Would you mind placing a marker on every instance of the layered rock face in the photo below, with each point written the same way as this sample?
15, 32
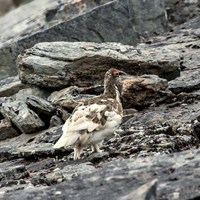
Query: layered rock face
54, 56
92, 21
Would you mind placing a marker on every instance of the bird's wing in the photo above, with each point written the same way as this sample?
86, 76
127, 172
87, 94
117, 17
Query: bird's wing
86, 118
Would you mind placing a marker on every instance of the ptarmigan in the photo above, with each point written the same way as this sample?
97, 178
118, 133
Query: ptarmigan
95, 119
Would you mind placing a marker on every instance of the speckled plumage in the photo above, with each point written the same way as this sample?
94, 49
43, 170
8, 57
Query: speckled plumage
95, 119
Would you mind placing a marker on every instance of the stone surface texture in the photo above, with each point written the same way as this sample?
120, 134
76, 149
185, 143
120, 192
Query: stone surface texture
63, 54
48, 20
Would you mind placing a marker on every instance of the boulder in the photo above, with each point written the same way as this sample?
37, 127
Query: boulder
61, 64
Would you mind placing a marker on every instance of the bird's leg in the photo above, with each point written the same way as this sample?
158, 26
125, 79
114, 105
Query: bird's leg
95, 148
77, 151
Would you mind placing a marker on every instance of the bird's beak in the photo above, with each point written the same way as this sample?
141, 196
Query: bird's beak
121, 73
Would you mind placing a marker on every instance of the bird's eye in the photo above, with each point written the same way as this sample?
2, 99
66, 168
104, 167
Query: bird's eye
116, 73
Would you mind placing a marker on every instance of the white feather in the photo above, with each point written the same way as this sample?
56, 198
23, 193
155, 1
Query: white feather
66, 140
94, 132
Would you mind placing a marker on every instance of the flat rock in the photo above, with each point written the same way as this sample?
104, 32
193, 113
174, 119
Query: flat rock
61, 64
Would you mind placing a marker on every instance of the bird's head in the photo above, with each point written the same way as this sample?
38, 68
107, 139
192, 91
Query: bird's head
114, 73
111, 82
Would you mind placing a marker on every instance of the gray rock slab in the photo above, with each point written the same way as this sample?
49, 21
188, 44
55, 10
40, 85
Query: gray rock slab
114, 21
25, 120
61, 64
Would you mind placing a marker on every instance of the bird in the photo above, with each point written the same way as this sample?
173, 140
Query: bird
94, 119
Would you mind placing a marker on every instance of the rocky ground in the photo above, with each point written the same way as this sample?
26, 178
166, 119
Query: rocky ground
154, 154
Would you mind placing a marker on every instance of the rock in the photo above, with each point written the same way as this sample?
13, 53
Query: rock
55, 177
33, 146
7, 153
74, 92
146, 191
35, 151
72, 171
68, 98
154, 132
185, 40
177, 174
62, 113
143, 90
10, 86
5, 100
187, 82
181, 11
98, 157
85, 64
50, 135
151, 142
55, 121
87, 24
137, 91
24, 119
6, 130
42, 107
31, 90
11, 172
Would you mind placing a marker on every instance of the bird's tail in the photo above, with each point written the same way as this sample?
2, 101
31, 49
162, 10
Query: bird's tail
67, 140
